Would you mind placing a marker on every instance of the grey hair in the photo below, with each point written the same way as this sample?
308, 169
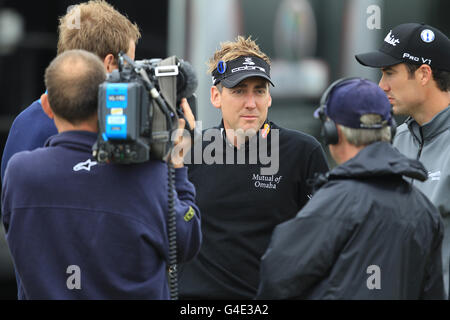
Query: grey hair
363, 137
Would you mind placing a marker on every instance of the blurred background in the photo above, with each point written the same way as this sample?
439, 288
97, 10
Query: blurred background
311, 43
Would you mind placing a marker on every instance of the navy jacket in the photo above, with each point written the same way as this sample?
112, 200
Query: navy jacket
30, 130
366, 234
62, 209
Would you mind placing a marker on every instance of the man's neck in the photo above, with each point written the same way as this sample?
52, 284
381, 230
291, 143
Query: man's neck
434, 103
238, 137
88, 125
346, 152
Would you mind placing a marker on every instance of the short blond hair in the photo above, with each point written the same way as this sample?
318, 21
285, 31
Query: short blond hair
231, 50
102, 30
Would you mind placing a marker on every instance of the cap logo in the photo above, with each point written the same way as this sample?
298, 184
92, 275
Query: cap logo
221, 67
252, 66
249, 62
391, 39
248, 68
427, 36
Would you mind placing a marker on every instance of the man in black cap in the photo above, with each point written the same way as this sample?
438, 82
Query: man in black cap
415, 62
366, 233
242, 201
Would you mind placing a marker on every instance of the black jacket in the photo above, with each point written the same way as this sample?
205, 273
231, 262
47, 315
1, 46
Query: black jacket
365, 234
240, 208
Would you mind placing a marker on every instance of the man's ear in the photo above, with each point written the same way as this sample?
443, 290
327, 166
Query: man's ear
424, 74
216, 97
110, 63
46, 106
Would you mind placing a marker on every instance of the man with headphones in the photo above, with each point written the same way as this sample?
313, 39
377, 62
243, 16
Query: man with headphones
366, 233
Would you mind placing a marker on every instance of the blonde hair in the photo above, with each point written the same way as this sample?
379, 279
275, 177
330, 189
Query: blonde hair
102, 30
364, 137
231, 50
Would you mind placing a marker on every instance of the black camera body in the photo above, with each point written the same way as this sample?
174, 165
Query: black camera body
138, 109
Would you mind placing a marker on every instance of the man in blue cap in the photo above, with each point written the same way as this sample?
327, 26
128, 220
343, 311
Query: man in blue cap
366, 233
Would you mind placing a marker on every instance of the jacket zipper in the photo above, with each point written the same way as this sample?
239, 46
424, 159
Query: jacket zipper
421, 142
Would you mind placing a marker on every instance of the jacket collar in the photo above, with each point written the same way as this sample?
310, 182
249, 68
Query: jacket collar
440, 123
376, 160
82, 140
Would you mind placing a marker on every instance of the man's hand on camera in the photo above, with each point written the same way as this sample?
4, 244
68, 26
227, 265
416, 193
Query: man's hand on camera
182, 138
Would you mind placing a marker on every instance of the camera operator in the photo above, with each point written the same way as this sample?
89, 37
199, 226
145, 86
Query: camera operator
102, 30
78, 229
366, 233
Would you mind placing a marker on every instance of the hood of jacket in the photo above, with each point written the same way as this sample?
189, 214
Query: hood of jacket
376, 160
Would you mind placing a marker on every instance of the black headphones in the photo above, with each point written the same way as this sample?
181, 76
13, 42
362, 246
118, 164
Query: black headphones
329, 129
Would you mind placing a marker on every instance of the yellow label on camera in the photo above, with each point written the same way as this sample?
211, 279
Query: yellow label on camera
189, 215
117, 111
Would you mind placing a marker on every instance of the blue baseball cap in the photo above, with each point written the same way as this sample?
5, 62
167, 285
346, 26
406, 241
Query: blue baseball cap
352, 99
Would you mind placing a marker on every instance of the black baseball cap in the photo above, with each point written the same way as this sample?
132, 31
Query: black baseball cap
231, 73
410, 42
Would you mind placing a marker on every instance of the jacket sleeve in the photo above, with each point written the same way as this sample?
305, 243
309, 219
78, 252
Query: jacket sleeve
303, 250
189, 235
433, 288
6, 208
39, 128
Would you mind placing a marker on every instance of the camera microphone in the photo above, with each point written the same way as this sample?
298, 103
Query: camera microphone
187, 81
